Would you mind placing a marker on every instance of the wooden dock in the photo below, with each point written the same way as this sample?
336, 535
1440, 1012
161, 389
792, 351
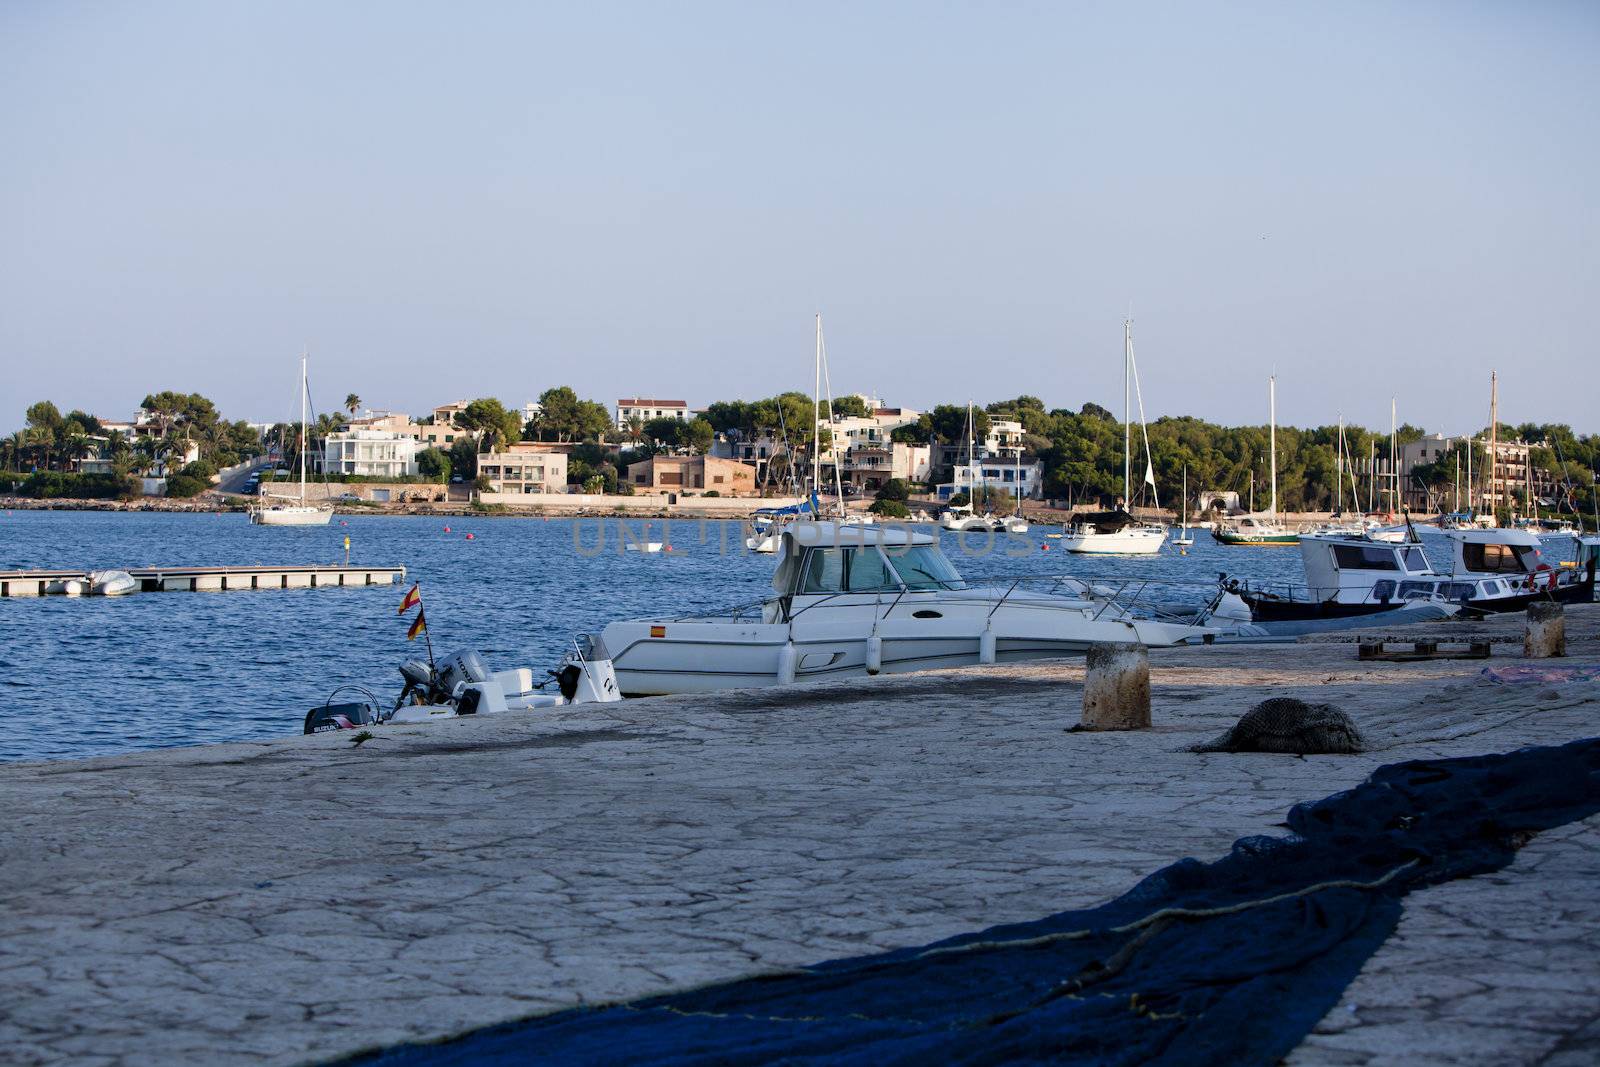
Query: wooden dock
207, 579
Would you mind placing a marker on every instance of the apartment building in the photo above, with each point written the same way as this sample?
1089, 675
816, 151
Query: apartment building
370, 453
442, 432
525, 467
645, 409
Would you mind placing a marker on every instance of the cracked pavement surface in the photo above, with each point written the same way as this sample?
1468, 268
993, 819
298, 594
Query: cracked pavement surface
300, 899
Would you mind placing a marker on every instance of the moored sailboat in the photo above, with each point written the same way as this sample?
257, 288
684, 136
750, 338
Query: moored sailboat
286, 511
1262, 530
1117, 532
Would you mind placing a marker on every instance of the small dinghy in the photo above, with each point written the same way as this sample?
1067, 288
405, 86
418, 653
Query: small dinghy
647, 545
112, 583
462, 684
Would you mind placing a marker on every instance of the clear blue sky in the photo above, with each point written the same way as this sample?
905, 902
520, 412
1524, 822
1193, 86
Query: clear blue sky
454, 200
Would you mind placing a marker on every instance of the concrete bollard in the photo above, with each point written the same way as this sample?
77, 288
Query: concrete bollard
1116, 687
1546, 635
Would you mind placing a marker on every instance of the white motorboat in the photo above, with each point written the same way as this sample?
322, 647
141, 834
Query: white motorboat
1492, 571
1014, 524
852, 601
272, 510
1117, 532
112, 583
461, 685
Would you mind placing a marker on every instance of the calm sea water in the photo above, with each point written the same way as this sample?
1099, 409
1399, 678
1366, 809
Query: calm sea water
99, 675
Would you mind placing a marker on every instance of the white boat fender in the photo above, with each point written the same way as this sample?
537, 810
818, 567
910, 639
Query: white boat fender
986, 645
786, 661
874, 654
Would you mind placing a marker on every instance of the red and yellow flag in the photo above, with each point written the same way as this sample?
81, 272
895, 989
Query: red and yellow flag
412, 599
418, 626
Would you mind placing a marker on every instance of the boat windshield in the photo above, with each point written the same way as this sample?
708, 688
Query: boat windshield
846, 570
1499, 558
925, 567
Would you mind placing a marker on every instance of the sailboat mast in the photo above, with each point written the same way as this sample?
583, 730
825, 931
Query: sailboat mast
816, 416
1394, 458
1272, 439
1372, 473
1458, 483
1494, 445
1339, 503
302, 430
1127, 416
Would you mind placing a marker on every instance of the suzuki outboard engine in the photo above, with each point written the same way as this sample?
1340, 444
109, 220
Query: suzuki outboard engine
347, 716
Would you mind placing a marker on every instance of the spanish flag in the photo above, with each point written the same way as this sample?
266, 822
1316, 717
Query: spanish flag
412, 599
418, 626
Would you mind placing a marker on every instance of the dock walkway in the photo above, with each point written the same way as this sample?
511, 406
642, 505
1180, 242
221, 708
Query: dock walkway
295, 900
208, 579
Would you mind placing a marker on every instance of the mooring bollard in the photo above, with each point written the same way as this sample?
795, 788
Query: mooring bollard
1116, 687
1546, 635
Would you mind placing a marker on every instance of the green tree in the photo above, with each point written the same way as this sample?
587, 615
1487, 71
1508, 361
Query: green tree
433, 463
895, 489
846, 407
665, 431
490, 422
889, 509
699, 435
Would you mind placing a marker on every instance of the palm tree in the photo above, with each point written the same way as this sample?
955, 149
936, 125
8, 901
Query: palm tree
635, 429
351, 402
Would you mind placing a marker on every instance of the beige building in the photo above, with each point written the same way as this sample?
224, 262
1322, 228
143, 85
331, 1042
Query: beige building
387, 422
698, 474
525, 467
442, 432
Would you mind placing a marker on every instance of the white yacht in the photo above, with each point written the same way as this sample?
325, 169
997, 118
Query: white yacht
271, 510
851, 601
1118, 532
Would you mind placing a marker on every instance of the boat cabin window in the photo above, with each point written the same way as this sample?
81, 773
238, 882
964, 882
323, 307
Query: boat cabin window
1457, 590
925, 567
1414, 560
1499, 559
846, 570
1364, 558
1416, 590
1383, 591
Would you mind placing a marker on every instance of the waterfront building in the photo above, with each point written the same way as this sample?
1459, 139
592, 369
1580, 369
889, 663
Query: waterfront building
370, 453
442, 432
1018, 476
526, 467
868, 466
672, 474
386, 421
645, 409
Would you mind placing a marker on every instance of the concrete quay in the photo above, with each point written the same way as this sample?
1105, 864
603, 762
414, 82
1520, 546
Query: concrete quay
295, 900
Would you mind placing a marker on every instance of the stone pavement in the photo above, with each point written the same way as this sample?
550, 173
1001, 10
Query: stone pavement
294, 900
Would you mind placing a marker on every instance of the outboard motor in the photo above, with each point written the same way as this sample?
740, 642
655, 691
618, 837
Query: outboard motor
345, 716
461, 668
421, 683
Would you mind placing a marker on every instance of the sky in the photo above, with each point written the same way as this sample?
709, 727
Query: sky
441, 201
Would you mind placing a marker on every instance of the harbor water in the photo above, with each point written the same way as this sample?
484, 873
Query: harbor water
93, 676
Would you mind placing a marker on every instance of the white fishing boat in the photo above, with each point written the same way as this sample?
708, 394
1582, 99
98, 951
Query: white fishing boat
1491, 571
852, 601
1118, 532
276, 510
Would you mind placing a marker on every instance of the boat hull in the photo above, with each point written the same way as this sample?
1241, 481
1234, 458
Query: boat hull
675, 657
1128, 542
1256, 540
292, 516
